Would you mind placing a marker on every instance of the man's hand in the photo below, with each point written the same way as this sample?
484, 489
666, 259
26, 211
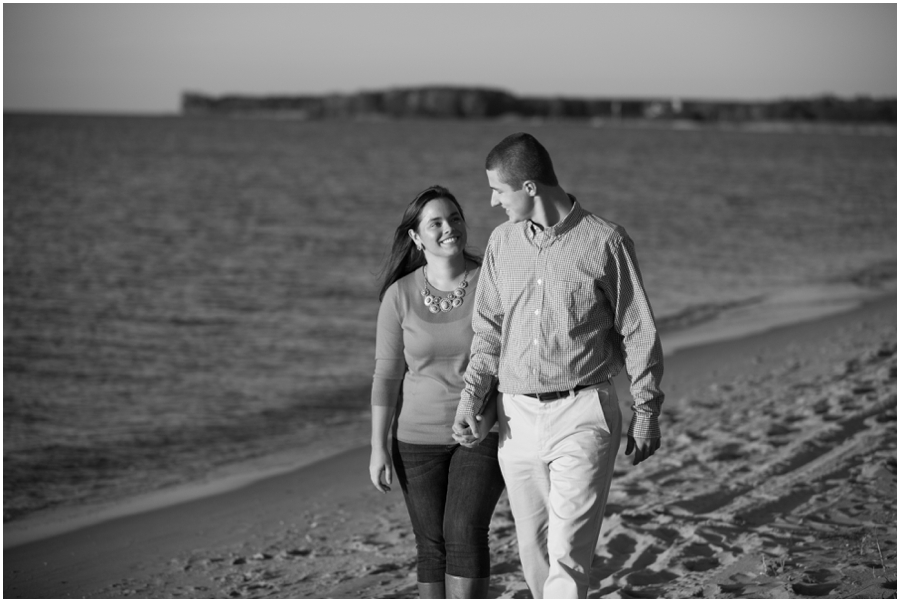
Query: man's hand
642, 447
467, 431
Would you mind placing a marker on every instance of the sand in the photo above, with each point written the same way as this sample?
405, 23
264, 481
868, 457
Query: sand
777, 479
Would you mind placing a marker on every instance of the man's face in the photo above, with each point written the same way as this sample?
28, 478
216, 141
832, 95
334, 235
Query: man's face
519, 205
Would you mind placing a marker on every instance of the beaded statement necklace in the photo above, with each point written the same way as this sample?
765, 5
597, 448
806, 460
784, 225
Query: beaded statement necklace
450, 302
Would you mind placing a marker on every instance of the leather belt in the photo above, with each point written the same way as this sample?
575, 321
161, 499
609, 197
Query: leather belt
554, 395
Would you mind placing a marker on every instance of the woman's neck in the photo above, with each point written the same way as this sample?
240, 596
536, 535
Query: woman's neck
445, 273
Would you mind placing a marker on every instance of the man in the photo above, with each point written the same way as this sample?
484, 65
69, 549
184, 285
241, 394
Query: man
559, 311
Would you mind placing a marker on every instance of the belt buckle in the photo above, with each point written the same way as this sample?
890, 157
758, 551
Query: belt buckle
554, 395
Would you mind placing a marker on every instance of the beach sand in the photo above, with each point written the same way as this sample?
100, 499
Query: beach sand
777, 478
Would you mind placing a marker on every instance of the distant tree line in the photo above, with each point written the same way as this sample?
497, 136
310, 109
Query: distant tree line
480, 103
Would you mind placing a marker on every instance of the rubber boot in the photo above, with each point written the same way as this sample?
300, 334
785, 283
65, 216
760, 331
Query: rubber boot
465, 588
432, 591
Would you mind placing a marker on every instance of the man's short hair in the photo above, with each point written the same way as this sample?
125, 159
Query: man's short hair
520, 157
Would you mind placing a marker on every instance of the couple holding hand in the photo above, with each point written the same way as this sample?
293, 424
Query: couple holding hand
498, 370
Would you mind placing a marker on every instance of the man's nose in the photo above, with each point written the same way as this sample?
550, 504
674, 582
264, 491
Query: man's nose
494, 201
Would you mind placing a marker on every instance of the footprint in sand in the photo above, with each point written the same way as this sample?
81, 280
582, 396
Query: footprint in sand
505, 567
814, 589
698, 550
365, 543
384, 568
293, 553
729, 453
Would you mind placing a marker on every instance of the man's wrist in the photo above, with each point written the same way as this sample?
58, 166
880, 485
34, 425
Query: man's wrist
645, 427
465, 409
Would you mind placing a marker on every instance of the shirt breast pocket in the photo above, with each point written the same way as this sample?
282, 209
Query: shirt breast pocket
578, 298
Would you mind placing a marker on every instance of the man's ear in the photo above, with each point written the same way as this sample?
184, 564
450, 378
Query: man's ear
530, 187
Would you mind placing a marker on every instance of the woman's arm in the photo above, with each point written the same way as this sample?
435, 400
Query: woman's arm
380, 468
386, 385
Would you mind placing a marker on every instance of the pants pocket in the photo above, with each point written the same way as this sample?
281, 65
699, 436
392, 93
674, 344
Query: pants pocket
607, 408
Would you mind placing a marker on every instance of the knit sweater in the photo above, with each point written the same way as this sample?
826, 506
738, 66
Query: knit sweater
428, 352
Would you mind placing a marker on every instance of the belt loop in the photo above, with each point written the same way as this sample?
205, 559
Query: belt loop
572, 392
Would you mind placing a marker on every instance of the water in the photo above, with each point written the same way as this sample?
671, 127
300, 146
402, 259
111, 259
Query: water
181, 294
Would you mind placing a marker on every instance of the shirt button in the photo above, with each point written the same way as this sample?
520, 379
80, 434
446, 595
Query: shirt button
540, 281
535, 341
534, 370
537, 312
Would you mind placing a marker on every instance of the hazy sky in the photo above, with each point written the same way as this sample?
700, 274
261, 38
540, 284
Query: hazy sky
139, 58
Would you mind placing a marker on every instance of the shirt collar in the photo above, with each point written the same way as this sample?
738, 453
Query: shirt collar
561, 227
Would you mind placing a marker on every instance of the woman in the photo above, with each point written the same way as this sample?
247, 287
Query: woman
421, 353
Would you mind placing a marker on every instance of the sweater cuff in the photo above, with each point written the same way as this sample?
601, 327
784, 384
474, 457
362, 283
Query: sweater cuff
385, 391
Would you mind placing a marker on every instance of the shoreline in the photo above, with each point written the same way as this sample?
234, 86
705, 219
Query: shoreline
320, 531
787, 308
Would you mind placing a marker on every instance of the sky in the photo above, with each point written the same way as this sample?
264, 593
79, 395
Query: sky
139, 58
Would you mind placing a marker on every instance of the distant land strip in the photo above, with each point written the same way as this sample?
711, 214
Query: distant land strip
448, 102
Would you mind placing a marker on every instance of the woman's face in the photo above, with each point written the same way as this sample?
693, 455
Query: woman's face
441, 230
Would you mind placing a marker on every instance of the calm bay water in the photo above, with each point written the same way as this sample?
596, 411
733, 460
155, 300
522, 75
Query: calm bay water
184, 293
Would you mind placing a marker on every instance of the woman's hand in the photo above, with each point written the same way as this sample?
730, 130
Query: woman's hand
380, 468
469, 431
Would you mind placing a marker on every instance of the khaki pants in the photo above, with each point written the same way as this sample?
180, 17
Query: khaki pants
557, 459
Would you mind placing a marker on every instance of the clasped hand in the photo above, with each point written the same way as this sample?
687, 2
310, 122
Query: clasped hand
469, 431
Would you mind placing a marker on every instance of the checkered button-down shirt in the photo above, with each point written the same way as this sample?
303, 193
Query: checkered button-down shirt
561, 307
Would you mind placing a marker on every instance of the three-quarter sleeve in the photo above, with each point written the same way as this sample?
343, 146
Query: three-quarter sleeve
390, 365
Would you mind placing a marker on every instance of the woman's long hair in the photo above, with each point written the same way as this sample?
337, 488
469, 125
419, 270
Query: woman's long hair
405, 257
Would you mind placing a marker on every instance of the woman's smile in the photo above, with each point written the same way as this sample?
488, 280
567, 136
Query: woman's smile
441, 230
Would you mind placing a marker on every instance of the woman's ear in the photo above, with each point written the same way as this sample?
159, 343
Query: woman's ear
415, 238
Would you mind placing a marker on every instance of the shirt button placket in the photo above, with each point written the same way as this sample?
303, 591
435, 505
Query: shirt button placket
539, 299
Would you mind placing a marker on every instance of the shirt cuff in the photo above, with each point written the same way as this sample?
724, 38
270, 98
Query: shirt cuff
465, 408
644, 426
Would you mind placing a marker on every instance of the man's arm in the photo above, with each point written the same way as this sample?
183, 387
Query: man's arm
484, 423
641, 347
484, 359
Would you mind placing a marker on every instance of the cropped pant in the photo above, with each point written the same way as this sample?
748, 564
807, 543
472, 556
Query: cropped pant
557, 459
450, 492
